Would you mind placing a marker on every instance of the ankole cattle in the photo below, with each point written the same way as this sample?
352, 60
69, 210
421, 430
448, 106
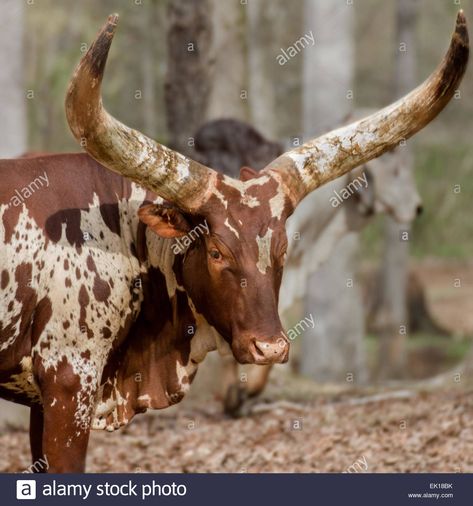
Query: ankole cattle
101, 316
382, 185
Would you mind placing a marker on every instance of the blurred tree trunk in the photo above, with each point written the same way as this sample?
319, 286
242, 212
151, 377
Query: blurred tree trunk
148, 62
333, 350
261, 20
13, 131
229, 86
188, 81
391, 314
12, 92
273, 89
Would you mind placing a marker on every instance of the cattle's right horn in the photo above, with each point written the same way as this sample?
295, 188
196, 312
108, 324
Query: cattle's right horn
329, 156
184, 182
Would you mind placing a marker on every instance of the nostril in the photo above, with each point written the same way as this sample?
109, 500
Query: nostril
261, 348
419, 210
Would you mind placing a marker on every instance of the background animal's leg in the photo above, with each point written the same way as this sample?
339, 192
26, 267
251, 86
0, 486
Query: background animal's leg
237, 389
36, 437
234, 391
257, 379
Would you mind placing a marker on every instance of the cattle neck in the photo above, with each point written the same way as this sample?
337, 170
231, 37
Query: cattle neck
155, 365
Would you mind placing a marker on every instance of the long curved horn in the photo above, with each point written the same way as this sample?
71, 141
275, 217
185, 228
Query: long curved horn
329, 156
171, 175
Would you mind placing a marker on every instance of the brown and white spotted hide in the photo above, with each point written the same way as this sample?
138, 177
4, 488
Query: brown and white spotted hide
98, 304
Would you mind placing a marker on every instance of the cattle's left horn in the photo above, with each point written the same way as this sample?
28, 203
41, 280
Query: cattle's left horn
328, 157
184, 182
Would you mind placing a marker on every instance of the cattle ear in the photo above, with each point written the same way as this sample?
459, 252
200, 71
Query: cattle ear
247, 173
166, 221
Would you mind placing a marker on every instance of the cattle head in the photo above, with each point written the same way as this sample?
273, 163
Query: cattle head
233, 272
390, 187
232, 269
394, 188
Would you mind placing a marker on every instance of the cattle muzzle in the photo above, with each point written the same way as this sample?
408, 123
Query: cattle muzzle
273, 351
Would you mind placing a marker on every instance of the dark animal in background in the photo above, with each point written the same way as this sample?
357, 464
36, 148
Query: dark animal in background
228, 145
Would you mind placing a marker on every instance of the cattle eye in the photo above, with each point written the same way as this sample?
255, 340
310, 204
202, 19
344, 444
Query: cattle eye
215, 254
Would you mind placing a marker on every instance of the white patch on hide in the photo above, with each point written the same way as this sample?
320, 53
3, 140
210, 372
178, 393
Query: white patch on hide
234, 230
264, 251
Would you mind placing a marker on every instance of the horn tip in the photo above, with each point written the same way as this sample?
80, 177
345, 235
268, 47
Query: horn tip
113, 19
97, 55
461, 29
